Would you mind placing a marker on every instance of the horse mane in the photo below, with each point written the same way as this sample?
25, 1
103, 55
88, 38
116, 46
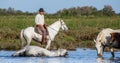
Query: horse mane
53, 24
102, 36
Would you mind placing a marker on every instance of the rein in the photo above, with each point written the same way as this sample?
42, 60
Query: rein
53, 29
56, 30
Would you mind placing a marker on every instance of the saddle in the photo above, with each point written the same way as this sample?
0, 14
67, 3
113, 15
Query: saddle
37, 31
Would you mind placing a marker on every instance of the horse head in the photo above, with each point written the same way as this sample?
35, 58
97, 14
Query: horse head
63, 25
62, 52
99, 47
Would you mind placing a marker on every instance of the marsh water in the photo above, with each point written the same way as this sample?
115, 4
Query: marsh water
78, 56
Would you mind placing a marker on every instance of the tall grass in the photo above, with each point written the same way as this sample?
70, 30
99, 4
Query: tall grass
81, 31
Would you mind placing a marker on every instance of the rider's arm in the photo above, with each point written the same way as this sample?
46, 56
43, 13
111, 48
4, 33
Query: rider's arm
37, 19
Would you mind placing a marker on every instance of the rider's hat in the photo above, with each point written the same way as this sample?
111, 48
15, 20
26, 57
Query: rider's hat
41, 10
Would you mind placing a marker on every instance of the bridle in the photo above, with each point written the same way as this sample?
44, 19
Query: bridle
62, 24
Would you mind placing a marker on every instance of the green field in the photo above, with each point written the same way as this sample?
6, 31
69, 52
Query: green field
82, 30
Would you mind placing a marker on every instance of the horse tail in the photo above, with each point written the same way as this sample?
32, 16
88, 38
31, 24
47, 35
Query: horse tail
22, 38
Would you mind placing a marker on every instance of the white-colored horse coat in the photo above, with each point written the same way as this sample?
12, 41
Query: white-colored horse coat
29, 33
103, 40
38, 51
104, 36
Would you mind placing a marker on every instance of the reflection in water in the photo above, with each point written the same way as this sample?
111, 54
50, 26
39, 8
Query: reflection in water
109, 60
78, 56
101, 60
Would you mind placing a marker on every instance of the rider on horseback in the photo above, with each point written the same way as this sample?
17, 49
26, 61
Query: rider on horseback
40, 24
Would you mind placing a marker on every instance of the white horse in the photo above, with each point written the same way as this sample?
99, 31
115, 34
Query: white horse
103, 40
38, 51
29, 33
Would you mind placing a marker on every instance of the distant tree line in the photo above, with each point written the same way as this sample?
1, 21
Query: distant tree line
87, 11
74, 11
11, 11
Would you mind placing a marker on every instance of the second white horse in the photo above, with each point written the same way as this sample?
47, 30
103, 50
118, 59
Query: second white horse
38, 51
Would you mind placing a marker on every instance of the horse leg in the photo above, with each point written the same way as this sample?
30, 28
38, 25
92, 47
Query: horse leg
28, 41
20, 52
22, 39
112, 52
48, 44
103, 48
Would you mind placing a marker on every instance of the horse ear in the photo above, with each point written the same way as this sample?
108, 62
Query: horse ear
94, 41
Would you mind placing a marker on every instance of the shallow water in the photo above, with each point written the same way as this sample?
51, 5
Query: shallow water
78, 56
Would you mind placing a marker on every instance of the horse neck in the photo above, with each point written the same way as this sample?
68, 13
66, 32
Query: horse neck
54, 29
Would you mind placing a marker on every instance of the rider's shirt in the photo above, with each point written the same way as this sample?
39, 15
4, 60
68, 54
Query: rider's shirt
39, 19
